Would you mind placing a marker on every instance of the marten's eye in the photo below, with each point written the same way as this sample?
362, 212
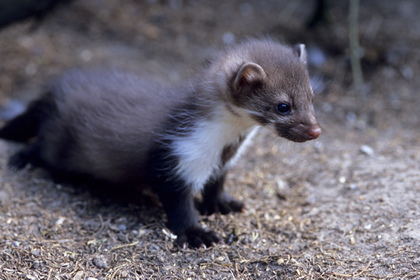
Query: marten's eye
283, 108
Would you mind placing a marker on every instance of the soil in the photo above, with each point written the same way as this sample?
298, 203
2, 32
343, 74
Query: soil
345, 206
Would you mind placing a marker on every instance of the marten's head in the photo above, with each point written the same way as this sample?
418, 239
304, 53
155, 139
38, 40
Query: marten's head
274, 89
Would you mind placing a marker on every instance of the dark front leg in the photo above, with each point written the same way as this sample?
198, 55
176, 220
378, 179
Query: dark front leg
216, 200
183, 220
177, 199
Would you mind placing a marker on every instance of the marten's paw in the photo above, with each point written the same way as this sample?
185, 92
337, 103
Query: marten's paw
197, 237
18, 161
224, 204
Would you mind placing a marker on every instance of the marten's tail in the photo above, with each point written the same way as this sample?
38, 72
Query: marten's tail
25, 126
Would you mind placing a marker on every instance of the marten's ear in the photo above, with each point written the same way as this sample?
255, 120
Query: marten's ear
300, 51
250, 74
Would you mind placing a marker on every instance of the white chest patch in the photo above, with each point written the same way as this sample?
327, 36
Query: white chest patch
200, 152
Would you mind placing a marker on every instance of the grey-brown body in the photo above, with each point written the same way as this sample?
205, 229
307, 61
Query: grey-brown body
109, 120
115, 126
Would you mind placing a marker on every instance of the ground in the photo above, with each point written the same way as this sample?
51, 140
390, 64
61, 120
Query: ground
345, 206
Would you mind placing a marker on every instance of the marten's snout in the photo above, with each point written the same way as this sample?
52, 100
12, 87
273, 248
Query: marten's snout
299, 133
314, 131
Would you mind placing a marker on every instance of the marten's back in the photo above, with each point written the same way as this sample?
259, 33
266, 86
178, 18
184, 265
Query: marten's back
104, 123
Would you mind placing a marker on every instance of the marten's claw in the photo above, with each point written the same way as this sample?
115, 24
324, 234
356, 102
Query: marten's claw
197, 238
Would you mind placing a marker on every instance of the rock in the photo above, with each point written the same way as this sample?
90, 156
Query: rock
100, 262
35, 264
78, 275
367, 150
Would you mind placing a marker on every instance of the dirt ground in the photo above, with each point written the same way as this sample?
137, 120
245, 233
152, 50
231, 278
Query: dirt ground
345, 206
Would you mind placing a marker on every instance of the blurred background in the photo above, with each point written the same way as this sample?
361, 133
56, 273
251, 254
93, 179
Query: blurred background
170, 39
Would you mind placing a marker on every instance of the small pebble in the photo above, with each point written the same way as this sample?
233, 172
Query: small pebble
353, 187
35, 264
99, 262
60, 221
36, 253
78, 275
282, 185
154, 248
367, 150
122, 227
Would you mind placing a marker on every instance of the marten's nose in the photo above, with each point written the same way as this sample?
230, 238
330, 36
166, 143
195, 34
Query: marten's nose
314, 131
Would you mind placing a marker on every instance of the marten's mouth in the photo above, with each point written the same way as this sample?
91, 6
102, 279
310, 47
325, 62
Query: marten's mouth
299, 133
294, 138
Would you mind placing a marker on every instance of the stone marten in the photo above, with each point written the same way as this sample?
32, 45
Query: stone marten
116, 126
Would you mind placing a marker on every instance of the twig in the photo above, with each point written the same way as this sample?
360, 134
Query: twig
101, 228
363, 270
125, 245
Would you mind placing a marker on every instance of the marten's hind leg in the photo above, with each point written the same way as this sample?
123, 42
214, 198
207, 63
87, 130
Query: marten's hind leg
216, 200
25, 126
28, 155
